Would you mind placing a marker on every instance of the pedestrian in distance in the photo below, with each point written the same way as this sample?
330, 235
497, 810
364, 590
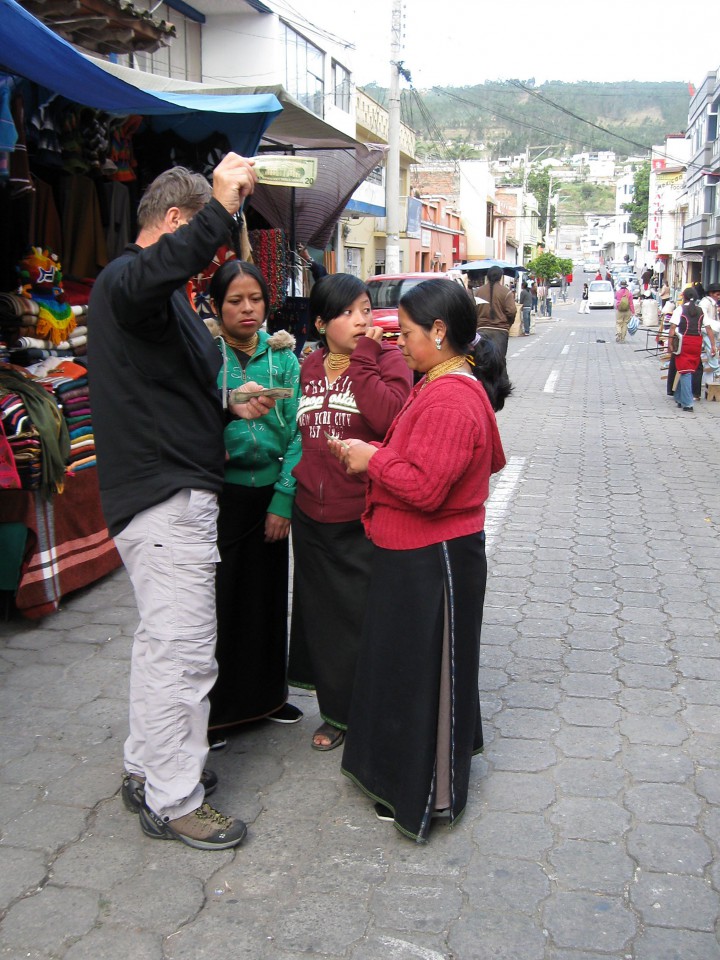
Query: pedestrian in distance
624, 309
526, 307
497, 314
158, 422
585, 299
302, 327
683, 315
542, 297
415, 720
690, 327
352, 386
255, 509
534, 292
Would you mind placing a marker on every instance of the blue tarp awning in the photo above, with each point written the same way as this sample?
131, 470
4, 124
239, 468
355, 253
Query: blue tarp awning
31, 50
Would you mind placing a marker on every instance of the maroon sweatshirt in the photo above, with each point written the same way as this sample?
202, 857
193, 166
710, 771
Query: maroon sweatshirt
361, 403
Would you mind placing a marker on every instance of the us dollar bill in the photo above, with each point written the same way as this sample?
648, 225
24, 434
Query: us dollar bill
283, 171
274, 393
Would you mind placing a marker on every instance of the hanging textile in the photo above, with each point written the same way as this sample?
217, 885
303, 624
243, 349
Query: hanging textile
270, 255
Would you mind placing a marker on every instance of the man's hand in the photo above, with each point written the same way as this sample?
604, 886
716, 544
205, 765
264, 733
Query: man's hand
233, 180
276, 528
251, 409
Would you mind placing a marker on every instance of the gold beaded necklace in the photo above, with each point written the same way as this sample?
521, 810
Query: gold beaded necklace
337, 361
447, 366
247, 346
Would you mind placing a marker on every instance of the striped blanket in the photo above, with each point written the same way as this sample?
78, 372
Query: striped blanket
68, 546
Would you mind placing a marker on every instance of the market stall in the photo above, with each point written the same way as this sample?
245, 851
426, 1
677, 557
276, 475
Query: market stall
71, 167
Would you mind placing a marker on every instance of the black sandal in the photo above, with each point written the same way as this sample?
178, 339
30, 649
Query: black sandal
334, 736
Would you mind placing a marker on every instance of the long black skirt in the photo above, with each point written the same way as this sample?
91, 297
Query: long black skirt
415, 718
330, 585
252, 609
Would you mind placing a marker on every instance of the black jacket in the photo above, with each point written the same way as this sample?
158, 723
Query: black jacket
152, 364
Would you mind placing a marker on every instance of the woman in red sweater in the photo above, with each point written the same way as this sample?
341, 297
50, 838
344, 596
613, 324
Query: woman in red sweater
415, 717
352, 387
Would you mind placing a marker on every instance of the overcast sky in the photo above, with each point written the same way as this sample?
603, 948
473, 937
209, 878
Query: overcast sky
464, 42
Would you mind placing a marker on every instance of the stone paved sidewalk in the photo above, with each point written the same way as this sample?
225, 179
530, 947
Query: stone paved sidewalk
594, 817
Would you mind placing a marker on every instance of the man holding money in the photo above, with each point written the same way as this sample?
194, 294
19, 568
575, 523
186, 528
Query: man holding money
158, 422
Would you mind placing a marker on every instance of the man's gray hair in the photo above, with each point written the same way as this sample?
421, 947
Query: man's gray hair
176, 187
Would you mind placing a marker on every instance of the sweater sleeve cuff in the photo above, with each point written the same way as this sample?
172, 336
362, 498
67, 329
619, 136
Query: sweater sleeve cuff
380, 460
281, 505
217, 208
366, 348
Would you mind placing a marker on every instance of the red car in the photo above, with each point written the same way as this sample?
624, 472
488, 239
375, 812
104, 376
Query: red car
386, 291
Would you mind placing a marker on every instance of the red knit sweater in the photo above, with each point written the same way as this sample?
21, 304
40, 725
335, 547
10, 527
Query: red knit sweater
431, 477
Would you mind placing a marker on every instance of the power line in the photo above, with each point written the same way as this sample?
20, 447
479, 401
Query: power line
521, 123
576, 116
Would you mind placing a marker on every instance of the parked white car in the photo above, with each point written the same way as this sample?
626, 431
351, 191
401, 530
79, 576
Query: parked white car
600, 294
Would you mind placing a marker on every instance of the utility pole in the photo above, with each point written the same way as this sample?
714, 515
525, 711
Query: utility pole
547, 214
521, 205
392, 168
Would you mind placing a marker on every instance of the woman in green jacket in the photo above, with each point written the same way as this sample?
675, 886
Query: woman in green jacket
255, 508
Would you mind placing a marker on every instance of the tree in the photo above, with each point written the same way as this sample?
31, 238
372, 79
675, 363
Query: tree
547, 266
638, 206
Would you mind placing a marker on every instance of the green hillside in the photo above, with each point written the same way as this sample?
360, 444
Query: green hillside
505, 117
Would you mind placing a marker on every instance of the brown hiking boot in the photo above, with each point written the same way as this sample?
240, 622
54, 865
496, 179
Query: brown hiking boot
204, 828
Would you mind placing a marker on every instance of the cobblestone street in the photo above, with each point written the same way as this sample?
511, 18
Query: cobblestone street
593, 825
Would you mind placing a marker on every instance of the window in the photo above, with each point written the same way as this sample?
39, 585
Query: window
709, 199
712, 126
341, 87
304, 70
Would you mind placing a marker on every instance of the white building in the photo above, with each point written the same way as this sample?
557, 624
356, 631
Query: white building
477, 204
598, 164
248, 43
667, 207
618, 241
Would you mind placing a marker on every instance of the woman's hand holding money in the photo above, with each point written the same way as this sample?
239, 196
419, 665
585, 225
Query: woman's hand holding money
354, 454
253, 408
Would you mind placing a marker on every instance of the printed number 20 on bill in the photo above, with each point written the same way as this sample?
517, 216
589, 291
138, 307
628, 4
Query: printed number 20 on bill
286, 171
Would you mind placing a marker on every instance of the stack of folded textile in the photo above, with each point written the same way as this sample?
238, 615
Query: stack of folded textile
18, 317
78, 338
70, 385
23, 439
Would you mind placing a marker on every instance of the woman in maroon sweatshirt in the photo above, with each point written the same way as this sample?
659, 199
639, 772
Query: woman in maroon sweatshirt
352, 387
415, 717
